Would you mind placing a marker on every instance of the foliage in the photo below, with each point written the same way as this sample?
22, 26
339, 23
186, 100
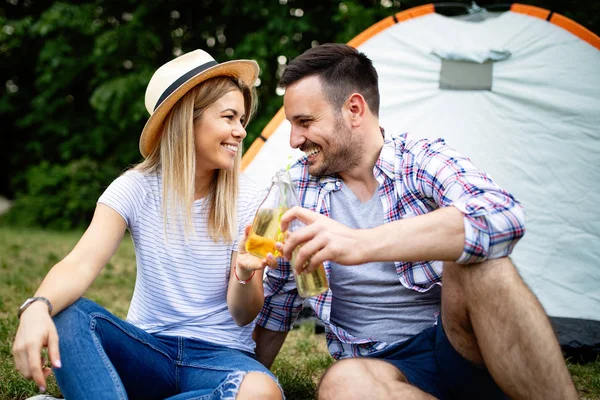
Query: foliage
58, 196
74, 73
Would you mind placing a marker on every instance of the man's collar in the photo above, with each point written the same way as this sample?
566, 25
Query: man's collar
387, 157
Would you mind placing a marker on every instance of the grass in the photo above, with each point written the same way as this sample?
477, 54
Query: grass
27, 254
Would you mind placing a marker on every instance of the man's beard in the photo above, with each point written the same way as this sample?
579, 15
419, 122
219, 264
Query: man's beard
343, 153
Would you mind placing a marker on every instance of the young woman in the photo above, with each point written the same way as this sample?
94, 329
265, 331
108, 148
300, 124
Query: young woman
188, 333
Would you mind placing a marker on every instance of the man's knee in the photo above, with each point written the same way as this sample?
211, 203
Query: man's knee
467, 280
258, 385
472, 293
338, 375
348, 378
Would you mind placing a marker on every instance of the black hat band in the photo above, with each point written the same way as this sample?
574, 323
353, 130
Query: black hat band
183, 79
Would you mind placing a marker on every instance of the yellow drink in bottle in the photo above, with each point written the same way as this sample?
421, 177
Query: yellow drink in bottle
265, 232
310, 284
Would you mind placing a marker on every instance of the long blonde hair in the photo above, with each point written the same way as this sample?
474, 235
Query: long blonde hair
175, 157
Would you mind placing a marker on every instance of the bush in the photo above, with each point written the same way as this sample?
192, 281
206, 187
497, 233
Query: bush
60, 196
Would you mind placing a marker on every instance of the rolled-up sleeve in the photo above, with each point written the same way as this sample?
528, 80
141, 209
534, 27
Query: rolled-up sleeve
494, 220
282, 302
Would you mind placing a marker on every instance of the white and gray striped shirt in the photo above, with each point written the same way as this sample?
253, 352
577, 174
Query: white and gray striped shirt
181, 288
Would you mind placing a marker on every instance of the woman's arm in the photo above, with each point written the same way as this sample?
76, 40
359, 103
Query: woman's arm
246, 300
69, 279
65, 283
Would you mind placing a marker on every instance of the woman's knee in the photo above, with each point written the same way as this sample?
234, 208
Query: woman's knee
259, 385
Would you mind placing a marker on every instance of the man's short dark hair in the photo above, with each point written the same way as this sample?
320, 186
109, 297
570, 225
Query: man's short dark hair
343, 70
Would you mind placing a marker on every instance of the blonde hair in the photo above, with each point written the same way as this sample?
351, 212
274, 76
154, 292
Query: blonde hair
175, 157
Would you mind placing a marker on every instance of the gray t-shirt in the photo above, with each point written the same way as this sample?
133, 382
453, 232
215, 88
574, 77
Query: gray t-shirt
368, 300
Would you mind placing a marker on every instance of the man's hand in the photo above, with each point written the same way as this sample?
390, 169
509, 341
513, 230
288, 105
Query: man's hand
323, 239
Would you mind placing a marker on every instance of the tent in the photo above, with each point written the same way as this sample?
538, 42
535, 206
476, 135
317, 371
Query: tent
518, 91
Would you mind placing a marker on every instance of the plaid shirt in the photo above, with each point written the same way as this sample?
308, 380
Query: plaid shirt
415, 176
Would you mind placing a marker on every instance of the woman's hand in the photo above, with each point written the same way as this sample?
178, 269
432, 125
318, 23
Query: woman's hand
247, 263
36, 331
245, 296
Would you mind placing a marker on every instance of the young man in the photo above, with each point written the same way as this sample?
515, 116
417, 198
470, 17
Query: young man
380, 204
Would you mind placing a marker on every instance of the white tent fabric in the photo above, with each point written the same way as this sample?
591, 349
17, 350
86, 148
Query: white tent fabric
537, 133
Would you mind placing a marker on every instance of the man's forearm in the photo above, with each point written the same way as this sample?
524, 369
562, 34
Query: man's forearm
438, 235
268, 344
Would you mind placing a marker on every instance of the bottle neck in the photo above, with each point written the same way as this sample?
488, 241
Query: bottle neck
283, 177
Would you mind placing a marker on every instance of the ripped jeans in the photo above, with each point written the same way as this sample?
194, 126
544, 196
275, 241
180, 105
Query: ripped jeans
104, 357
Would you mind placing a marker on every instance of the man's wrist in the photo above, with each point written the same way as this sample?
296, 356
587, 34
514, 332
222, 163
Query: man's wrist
365, 244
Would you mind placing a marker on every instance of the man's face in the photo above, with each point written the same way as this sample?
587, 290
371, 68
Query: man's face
320, 131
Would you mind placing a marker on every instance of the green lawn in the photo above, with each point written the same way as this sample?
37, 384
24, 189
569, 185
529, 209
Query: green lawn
26, 256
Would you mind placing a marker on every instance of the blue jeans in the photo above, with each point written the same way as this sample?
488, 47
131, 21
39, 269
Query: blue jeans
104, 357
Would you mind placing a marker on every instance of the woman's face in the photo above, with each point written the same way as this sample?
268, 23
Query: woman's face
219, 133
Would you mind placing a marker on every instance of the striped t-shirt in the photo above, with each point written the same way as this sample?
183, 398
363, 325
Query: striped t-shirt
181, 288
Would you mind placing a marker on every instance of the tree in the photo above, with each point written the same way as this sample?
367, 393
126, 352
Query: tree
75, 75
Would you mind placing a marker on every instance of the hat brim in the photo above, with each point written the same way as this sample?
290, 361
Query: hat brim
245, 70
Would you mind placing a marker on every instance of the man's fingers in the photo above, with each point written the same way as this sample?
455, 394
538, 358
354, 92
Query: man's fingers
311, 259
310, 255
302, 255
271, 261
300, 237
303, 214
311, 264
316, 259
53, 351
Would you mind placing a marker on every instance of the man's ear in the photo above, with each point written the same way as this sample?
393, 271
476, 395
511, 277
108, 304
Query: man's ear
356, 106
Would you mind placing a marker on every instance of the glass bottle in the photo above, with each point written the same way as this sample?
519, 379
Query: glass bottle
266, 231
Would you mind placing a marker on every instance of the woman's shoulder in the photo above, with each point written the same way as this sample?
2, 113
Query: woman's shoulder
135, 181
137, 175
143, 178
249, 191
247, 185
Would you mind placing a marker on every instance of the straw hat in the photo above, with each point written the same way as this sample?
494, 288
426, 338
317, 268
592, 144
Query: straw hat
174, 79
